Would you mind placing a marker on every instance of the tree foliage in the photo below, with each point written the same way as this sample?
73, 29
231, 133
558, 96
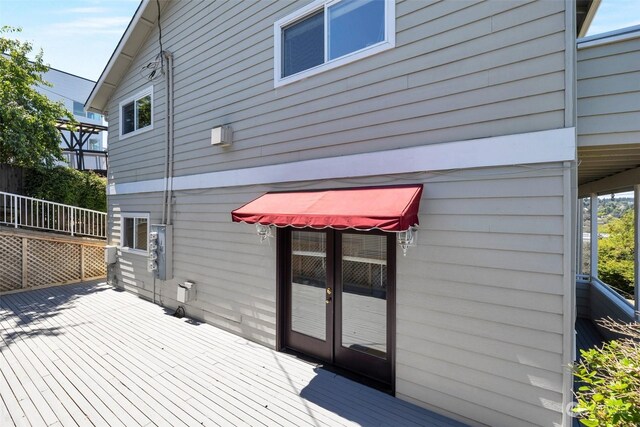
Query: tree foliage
610, 378
28, 134
68, 186
615, 252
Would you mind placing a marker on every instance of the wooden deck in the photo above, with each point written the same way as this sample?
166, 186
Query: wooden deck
587, 336
89, 354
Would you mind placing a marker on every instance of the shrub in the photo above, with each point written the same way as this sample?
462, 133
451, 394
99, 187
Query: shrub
61, 184
610, 377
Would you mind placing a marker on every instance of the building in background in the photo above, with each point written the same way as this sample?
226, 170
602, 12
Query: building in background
85, 148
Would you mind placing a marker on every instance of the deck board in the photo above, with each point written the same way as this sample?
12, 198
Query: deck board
89, 354
588, 335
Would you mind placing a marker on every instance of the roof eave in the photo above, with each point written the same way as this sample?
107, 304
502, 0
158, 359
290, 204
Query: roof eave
143, 21
593, 8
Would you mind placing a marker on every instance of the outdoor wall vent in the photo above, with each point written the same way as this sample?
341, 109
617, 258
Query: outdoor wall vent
184, 291
221, 136
110, 253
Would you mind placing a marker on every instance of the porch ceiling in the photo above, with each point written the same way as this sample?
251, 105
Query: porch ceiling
607, 167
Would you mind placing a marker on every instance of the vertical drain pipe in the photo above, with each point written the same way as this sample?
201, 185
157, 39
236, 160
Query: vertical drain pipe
169, 117
168, 158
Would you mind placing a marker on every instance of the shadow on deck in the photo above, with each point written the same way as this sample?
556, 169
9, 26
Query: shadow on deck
88, 354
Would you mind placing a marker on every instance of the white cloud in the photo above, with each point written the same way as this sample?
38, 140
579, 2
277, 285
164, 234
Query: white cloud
90, 25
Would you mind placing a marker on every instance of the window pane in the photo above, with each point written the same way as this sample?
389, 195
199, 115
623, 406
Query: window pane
303, 45
128, 118
127, 233
354, 25
144, 112
141, 234
78, 109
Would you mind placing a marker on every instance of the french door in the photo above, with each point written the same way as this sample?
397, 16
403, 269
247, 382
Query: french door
339, 298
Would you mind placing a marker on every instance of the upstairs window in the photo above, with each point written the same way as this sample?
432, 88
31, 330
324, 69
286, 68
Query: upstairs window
136, 113
327, 34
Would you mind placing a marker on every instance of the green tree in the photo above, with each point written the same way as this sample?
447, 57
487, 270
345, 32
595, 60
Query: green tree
615, 252
28, 134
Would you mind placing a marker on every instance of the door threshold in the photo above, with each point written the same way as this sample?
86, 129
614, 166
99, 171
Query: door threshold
361, 379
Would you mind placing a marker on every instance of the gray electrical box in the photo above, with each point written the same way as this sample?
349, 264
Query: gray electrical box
161, 251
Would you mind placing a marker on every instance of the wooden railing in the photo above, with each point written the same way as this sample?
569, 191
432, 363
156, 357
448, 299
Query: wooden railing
27, 212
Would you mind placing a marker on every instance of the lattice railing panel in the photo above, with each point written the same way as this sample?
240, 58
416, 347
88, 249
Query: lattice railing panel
52, 262
48, 260
10, 262
94, 264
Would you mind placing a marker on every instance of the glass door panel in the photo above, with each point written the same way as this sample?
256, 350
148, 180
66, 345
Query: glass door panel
364, 293
339, 298
309, 283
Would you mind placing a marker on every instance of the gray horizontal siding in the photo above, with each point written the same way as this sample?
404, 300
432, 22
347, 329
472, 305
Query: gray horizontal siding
479, 299
460, 70
479, 303
609, 93
235, 287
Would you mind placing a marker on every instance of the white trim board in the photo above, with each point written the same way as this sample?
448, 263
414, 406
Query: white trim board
526, 148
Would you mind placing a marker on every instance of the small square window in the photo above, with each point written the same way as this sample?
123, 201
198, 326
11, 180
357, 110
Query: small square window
328, 33
135, 232
136, 113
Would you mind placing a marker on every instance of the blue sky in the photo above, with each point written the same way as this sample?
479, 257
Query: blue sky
78, 36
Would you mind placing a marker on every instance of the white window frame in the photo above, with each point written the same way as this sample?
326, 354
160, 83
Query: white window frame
145, 92
388, 43
133, 215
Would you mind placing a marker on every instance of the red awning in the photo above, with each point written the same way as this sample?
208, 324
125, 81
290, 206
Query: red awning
386, 208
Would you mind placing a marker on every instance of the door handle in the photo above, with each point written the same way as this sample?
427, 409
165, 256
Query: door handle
328, 300
329, 291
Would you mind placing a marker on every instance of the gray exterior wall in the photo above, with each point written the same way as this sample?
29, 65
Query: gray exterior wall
460, 70
479, 300
609, 94
482, 301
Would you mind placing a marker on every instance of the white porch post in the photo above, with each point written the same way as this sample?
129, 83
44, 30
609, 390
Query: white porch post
580, 239
594, 236
636, 251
